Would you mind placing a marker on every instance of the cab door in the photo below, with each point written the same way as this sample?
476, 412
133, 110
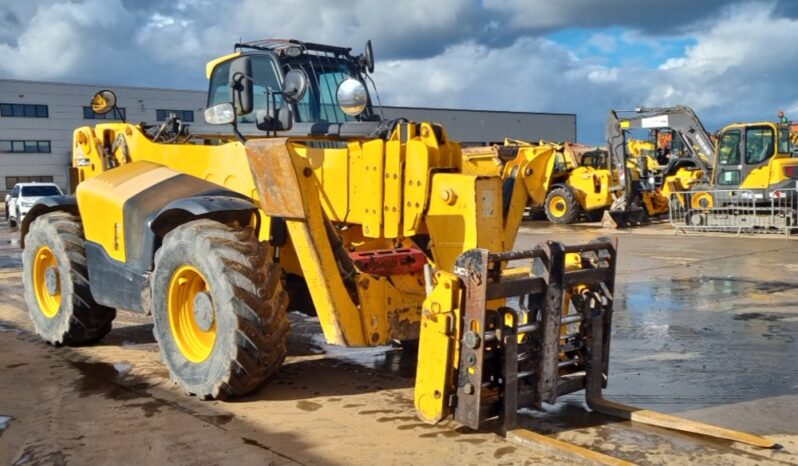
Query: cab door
760, 145
729, 169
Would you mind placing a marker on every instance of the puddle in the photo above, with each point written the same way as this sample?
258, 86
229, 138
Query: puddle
10, 262
99, 378
122, 368
675, 341
4, 422
758, 316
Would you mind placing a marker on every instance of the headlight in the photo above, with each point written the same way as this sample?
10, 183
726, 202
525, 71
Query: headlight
26, 203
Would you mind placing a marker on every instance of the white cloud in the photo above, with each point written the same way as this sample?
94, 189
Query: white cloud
489, 54
57, 39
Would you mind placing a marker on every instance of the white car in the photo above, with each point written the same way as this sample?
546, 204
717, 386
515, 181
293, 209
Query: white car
23, 196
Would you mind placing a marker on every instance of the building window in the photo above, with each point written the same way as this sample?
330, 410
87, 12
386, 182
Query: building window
24, 110
24, 147
184, 115
115, 114
12, 180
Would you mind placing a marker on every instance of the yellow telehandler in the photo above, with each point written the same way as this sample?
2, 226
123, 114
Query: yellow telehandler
566, 181
381, 221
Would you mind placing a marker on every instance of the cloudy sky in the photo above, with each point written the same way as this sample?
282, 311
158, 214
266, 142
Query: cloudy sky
730, 60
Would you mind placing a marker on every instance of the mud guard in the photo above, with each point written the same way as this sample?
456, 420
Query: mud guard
43, 206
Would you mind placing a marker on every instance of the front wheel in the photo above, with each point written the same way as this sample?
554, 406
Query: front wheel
219, 309
56, 283
561, 206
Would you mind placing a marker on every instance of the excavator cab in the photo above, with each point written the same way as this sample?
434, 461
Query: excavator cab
754, 156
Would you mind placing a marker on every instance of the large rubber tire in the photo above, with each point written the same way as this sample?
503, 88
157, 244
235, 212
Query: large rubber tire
561, 206
247, 306
77, 319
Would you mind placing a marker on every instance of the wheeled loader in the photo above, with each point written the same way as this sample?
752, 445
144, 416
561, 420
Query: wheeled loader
311, 192
566, 181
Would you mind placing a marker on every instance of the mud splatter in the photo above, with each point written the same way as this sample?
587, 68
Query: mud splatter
503, 451
150, 408
758, 316
308, 405
216, 419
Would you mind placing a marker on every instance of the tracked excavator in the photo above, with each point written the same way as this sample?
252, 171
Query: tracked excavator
748, 156
310, 192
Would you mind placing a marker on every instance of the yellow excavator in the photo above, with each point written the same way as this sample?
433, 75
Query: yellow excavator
310, 191
755, 157
566, 181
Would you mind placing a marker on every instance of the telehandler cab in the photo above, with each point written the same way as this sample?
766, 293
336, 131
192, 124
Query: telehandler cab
216, 236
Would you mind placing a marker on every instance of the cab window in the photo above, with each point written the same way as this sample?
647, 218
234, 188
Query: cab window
784, 141
758, 144
320, 103
729, 148
264, 77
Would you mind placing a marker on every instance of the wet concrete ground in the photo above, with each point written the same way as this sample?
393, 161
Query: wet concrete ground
704, 325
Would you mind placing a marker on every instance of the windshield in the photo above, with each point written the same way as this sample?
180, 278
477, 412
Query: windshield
325, 73
319, 104
36, 191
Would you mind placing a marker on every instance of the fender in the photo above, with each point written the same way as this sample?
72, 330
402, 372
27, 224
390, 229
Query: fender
45, 205
226, 207
148, 215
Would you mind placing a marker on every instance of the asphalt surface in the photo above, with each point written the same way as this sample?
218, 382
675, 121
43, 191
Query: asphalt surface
704, 326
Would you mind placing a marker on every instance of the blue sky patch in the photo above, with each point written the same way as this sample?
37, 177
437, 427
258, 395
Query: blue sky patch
621, 47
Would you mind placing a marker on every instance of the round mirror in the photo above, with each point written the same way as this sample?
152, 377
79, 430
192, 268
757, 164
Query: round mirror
103, 101
295, 85
369, 57
352, 96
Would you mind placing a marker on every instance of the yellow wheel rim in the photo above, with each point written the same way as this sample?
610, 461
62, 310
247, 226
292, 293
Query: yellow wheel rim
702, 201
194, 338
557, 206
45, 269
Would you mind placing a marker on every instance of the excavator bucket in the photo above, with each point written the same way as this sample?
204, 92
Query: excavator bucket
632, 217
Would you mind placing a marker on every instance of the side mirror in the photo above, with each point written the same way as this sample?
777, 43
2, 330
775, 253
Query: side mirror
8, 196
241, 85
295, 85
369, 57
103, 102
220, 114
352, 96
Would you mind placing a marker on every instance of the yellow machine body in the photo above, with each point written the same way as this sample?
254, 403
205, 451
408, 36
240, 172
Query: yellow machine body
542, 167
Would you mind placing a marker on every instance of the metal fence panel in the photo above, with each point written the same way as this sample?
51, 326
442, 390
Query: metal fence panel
735, 210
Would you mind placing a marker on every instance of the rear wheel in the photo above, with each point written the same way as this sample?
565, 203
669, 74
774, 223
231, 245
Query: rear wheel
561, 206
56, 282
219, 309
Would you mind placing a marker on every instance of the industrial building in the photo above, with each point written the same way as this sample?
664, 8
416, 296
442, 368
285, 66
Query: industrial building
37, 120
